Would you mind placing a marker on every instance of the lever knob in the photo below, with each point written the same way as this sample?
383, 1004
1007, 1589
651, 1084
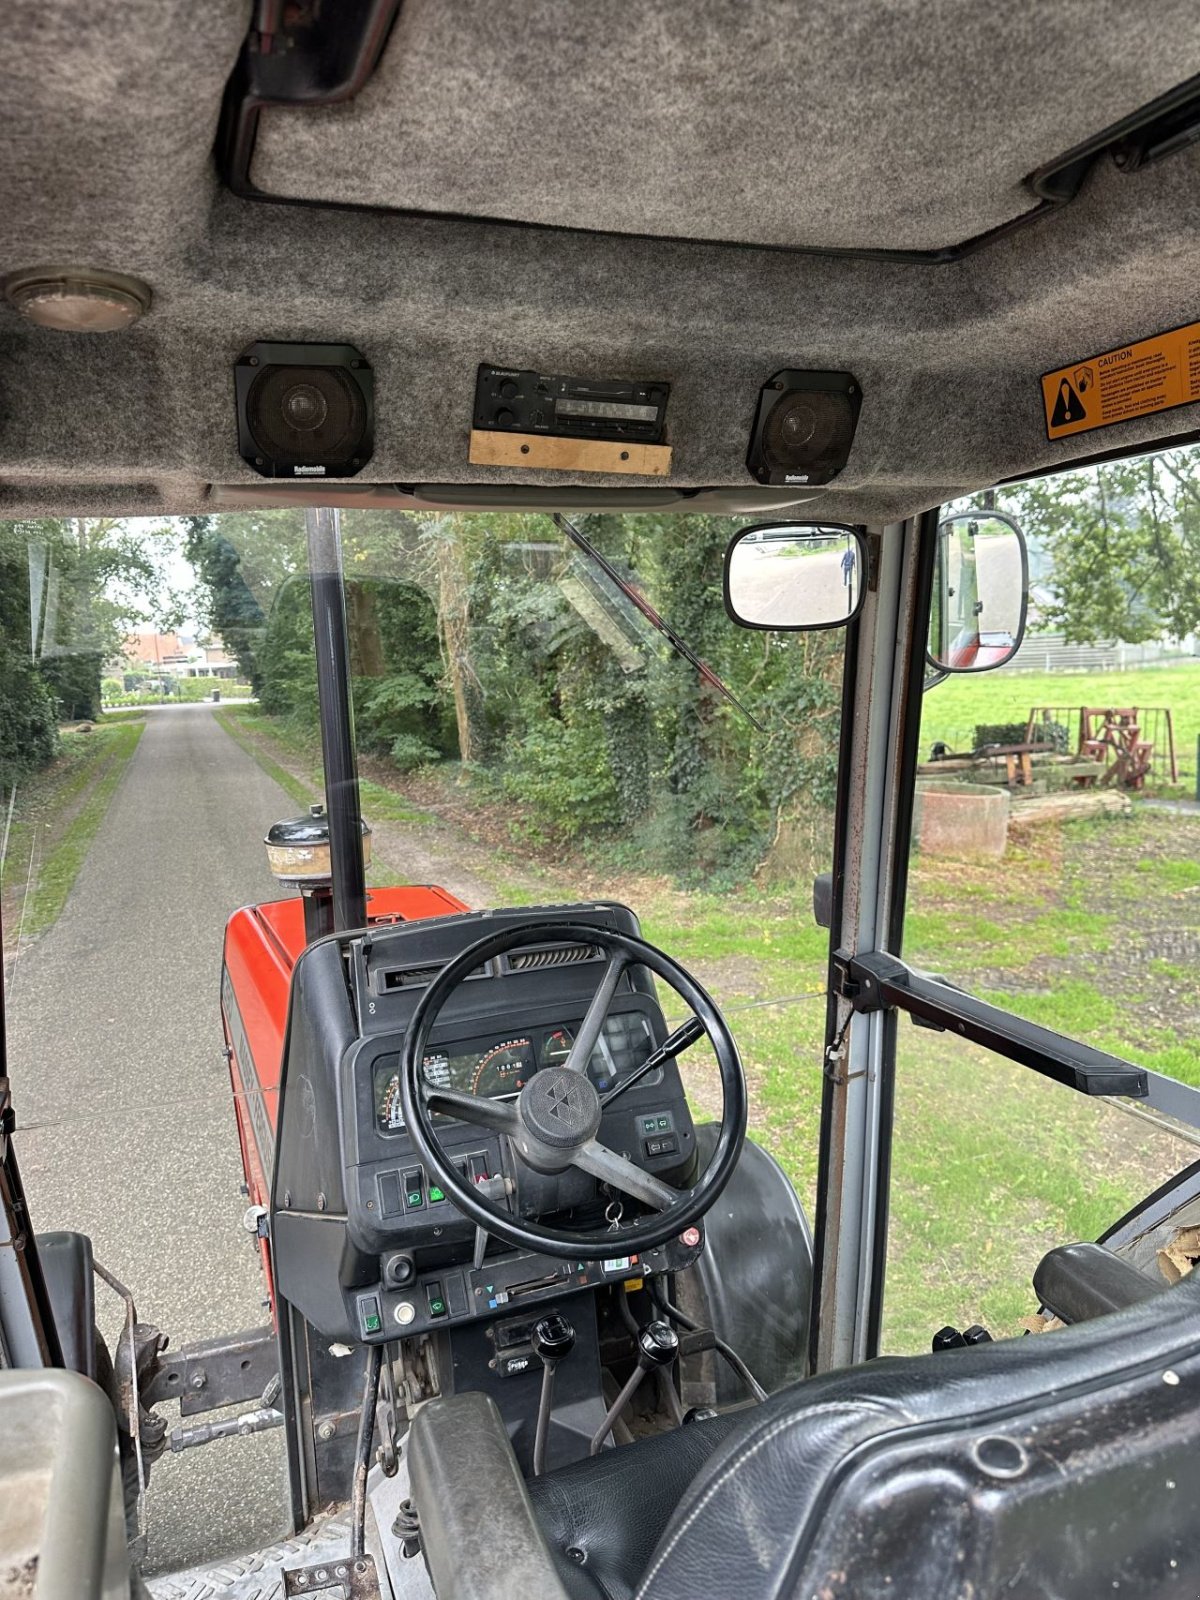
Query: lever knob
553, 1339
658, 1345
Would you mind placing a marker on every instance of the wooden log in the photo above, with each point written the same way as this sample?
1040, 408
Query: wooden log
1065, 807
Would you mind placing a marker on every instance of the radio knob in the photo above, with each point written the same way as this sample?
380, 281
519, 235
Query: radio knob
508, 389
504, 418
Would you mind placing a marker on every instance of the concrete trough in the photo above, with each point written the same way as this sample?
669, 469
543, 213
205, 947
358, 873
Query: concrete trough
960, 819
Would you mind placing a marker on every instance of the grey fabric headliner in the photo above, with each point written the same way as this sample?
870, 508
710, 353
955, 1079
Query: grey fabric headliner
109, 120
887, 124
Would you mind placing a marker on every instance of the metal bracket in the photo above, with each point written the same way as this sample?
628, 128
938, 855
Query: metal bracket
875, 981
356, 1579
215, 1372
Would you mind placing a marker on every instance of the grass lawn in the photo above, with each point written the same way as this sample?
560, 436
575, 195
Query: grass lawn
54, 820
954, 708
1092, 927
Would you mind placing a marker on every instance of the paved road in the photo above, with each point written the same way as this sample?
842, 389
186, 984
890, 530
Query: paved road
774, 586
126, 1127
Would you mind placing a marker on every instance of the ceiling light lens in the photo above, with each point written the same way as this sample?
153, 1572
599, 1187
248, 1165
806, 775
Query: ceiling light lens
78, 301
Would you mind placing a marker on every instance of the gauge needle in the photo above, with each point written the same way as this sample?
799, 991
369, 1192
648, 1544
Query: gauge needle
674, 1045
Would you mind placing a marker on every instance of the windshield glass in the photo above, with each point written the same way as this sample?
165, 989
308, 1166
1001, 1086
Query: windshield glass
526, 735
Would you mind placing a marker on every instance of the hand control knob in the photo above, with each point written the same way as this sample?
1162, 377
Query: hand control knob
553, 1339
658, 1345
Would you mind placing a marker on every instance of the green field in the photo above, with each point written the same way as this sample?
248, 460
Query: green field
953, 709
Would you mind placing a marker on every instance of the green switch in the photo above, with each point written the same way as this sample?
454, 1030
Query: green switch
371, 1323
435, 1194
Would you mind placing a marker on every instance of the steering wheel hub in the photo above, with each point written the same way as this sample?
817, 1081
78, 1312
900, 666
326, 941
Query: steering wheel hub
560, 1107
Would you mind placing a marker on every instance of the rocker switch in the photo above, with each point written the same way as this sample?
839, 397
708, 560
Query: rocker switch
435, 1299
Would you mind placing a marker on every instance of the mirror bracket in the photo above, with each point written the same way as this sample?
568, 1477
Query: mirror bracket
874, 542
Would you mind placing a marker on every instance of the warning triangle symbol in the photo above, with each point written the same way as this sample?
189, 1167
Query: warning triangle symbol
1068, 407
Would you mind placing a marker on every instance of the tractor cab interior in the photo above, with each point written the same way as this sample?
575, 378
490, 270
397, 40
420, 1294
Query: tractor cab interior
549, 1312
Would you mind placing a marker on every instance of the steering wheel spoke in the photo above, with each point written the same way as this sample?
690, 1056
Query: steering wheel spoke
500, 1116
599, 1161
592, 1025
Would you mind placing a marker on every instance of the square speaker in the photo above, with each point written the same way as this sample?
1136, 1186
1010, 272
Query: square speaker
804, 427
305, 410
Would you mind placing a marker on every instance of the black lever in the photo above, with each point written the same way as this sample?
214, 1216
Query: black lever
553, 1340
658, 1346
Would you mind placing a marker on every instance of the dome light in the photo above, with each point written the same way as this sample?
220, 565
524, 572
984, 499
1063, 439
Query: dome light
78, 300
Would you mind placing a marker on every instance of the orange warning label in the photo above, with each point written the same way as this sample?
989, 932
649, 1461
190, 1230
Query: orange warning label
1152, 375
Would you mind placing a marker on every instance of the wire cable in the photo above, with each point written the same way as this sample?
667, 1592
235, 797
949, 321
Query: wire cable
730, 1355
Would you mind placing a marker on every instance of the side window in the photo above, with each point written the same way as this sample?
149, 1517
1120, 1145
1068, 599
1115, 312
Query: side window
1055, 872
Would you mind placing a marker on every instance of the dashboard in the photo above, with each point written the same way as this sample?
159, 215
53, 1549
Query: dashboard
500, 1068
364, 1239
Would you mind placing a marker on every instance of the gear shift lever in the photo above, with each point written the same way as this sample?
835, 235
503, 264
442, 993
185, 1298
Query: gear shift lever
553, 1340
658, 1346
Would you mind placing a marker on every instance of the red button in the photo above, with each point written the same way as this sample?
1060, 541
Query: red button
690, 1237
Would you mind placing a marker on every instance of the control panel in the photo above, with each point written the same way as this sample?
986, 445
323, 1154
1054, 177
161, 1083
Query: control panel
434, 1299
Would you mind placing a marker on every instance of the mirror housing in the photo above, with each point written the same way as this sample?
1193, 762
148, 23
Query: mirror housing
980, 593
792, 577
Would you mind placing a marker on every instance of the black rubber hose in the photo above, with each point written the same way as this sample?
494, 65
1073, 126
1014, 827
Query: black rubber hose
731, 1355
362, 1454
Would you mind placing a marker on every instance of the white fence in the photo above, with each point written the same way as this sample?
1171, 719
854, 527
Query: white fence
1050, 652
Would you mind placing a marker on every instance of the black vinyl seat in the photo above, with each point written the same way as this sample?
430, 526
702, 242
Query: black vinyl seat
603, 1517
1064, 1464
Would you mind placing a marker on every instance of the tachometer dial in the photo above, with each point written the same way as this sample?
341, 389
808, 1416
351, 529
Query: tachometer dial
504, 1068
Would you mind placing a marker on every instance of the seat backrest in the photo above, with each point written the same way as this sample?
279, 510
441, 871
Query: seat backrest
1064, 1464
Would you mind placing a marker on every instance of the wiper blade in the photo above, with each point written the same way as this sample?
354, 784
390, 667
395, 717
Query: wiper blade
680, 646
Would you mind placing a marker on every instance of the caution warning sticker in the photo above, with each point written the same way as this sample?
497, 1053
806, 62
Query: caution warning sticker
1152, 375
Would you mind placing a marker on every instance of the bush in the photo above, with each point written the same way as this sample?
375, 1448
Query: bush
28, 718
554, 772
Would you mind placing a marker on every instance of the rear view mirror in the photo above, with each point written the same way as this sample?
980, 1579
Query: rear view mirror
980, 592
794, 575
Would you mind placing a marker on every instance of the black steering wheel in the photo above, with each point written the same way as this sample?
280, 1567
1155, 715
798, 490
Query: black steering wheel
552, 1124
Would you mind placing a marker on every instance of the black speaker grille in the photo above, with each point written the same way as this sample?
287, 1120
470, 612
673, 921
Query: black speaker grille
808, 431
302, 414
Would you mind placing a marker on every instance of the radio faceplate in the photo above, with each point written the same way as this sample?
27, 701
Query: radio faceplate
618, 409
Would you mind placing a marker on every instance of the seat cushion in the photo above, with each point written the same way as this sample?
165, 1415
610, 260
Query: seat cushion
610, 1510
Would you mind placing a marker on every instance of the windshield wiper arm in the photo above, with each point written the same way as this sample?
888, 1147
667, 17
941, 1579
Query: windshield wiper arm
680, 646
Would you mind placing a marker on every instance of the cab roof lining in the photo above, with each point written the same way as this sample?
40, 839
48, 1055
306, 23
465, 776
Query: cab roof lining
863, 127
112, 114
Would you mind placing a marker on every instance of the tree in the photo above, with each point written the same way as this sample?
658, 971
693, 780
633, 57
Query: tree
242, 561
28, 713
1121, 547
